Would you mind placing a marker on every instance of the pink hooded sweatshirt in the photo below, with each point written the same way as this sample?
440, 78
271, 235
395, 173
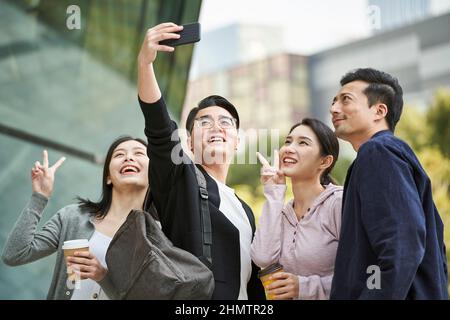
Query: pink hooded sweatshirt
306, 248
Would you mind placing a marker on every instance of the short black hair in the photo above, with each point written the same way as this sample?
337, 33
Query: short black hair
383, 88
211, 101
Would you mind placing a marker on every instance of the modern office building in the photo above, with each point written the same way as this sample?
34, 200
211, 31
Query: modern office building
269, 93
234, 45
398, 13
395, 14
417, 54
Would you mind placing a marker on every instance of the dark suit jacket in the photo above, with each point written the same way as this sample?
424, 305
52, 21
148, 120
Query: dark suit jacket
390, 222
176, 197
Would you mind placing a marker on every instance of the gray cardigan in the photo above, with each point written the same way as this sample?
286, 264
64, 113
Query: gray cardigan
27, 244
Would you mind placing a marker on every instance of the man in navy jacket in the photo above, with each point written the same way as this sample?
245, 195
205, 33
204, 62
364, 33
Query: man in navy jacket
391, 244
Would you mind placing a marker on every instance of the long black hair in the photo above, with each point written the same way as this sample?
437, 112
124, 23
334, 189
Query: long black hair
328, 141
100, 209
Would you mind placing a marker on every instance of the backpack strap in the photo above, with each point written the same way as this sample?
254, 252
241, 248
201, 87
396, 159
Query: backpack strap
205, 216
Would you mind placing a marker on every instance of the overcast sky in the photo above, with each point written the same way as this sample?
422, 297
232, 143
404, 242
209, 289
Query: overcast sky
309, 26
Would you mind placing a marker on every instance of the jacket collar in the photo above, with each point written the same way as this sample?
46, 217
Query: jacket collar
381, 133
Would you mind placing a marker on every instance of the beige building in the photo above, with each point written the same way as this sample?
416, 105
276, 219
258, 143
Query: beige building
268, 93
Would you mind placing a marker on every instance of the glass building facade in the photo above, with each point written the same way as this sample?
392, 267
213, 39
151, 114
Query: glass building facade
73, 91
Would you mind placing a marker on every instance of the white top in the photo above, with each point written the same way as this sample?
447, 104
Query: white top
88, 288
232, 209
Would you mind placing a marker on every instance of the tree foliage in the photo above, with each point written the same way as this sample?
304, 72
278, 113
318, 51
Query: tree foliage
438, 119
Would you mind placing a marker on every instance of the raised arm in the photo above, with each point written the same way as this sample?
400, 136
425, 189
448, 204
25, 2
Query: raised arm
164, 146
148, 88
25, 243
266, 245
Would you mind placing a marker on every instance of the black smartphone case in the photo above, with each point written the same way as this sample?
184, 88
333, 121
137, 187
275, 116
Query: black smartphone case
189, 34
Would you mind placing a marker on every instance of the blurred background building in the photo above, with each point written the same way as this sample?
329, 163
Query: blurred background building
258, 88
418, 54
399, 13
235, 45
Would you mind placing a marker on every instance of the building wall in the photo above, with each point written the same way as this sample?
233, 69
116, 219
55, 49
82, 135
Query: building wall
269, 93
398, 13
234, 45
417, 55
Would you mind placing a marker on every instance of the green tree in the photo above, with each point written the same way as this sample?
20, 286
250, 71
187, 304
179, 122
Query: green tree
249, 173
430, 141
412, 128
340, 169
438, 120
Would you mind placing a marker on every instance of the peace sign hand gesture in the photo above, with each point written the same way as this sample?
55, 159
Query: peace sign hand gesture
271, 174
43, 177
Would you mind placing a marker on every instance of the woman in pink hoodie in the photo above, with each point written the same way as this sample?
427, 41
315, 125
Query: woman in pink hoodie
302, 235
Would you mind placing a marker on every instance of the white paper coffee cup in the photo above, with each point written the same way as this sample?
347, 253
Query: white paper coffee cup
72, 246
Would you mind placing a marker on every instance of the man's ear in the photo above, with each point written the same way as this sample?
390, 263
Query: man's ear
381, 111
238, 141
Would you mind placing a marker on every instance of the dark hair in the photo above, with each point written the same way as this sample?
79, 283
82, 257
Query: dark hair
100, 209
329, 144
383, 88
211, 101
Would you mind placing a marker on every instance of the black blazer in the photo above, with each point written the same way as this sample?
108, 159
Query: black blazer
175, 193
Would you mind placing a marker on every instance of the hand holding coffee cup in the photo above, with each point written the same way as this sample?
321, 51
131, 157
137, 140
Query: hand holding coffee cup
83, 263
70, 247
265, 275
283, 286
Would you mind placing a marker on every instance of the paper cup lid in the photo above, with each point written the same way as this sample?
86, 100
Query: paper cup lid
270, 269
75, 244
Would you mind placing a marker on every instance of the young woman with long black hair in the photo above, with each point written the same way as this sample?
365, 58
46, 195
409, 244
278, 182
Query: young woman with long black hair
303, 234
124, 187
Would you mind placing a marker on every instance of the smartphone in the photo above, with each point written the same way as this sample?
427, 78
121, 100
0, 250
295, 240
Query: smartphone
189, 34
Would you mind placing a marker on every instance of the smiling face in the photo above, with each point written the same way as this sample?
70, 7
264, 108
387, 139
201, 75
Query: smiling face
217, 144
300, 156
351, 115
129, 166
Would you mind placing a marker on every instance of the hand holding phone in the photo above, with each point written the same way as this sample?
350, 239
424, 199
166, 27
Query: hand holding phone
189, 34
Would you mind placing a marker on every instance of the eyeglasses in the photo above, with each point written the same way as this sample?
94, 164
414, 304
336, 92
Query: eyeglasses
207, 122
